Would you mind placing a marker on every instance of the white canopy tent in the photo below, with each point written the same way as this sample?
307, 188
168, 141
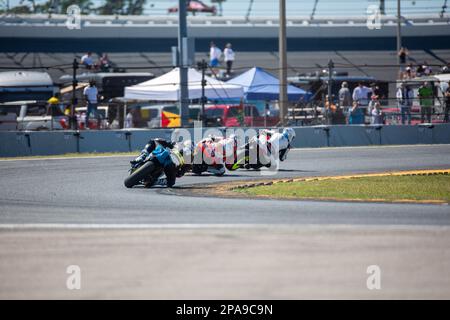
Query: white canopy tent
167, 88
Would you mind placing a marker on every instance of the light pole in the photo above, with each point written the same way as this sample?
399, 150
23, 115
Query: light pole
182, 62
330, 86
283, 63
399, 31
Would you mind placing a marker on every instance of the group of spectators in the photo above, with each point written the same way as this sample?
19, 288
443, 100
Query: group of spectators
357, 104
103, 64
215, 56
365, 101
405, 97
410, 70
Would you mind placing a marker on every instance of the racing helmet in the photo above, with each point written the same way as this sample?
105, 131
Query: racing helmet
289, 133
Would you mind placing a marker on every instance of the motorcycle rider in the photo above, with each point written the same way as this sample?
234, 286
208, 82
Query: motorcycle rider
271, 141
158, 146
212, 153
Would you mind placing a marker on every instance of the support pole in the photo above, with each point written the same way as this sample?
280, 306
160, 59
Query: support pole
203, 67
330, 85
183, 67
399, 30
283, 63
73, 120
382, 7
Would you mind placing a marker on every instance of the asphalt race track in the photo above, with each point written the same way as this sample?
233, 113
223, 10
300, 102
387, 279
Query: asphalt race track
56, 212
91, 191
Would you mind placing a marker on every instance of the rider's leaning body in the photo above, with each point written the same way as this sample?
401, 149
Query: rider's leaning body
160, 149
274, 141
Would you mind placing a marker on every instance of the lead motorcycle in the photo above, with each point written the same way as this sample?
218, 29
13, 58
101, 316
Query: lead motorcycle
166, 159
264, 149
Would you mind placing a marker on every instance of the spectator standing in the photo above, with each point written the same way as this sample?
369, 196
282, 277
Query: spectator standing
404, 98
426, 69
330, 109
408, 73
104, 63
356, 115
87, 60
229, 56
345, 98
403, 54
361, 97
376, 114
419, 70
129, 119
447, 102
91, 95
373, 101
214, 56
375, 90
425, 95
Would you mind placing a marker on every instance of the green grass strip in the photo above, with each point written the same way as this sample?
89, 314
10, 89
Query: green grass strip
388, 188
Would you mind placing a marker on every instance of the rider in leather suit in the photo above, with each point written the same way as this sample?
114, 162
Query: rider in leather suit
170, 170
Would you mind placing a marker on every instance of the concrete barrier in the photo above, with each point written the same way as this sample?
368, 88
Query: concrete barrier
354, 135
311, 137
104, 141
391, 135
14, 144
50, 143
441, 133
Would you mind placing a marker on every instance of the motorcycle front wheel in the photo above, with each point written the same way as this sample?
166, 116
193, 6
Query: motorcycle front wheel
140, 174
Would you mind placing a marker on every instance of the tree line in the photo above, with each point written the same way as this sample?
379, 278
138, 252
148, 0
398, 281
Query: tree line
109, 7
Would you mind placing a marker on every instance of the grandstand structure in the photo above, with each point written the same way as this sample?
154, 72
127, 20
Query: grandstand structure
44, 33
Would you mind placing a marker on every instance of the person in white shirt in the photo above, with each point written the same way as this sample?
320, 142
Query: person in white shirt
87, 60
361, 97
228, 54
361, 94
214, 57
91, 94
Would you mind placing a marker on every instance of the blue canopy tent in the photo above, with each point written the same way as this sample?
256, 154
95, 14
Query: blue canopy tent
258, 84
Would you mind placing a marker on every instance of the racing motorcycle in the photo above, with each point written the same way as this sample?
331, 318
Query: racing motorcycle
260, 150
210, 155
166, 159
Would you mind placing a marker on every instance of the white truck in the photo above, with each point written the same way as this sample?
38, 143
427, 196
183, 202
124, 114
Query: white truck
31, 115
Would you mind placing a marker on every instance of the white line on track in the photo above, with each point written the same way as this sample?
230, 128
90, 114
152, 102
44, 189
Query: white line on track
85, 226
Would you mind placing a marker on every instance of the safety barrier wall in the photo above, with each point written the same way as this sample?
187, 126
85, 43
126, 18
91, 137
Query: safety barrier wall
13, 144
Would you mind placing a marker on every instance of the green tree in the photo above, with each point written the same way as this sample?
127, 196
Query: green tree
32, 2
86, 6
60, 6
125, 7
135, 7
112, 7
22, 9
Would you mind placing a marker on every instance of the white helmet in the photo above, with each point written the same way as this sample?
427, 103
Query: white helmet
289, 133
